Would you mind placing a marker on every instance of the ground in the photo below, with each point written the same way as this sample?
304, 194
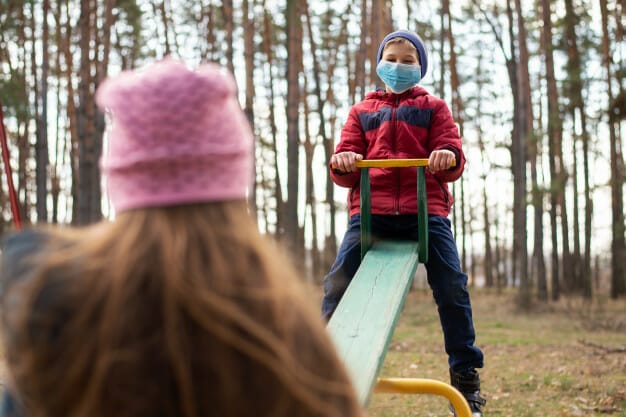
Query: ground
565, 359
559, 360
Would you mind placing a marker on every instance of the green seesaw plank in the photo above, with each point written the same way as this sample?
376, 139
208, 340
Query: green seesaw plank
363, 323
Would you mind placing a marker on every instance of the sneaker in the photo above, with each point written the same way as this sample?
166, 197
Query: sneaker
468, 383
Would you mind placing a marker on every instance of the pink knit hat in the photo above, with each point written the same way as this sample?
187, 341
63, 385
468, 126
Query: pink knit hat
177, 136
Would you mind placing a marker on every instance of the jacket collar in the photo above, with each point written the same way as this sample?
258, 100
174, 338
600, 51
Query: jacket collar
382, 94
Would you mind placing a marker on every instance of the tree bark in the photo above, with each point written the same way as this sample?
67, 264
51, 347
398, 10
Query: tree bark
71, 110
457, 112
211, 43
41, 148
330, 244
102, 69
23, 126
488, 261
577, 108
310, 201
164, 13
442, 58
89, 145
268, 48
498, 257
317, 89
361, 56
249, 55
519, 152
294, 51
555, 128
62, 130
227, 11
618, 244
376, 36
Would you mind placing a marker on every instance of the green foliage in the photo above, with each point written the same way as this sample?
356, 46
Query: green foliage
13, 93
129, 32
10, 20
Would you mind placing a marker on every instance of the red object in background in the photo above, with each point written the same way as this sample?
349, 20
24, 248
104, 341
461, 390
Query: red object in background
15, 210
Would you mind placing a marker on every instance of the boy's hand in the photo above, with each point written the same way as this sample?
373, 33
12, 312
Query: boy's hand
345, 162
441, 160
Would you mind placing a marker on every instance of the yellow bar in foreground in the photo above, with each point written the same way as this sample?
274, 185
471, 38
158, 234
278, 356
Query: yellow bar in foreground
391, 163
394, 163
425, 386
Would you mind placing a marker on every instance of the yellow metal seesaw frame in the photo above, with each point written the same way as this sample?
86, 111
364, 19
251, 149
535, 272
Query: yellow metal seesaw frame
425, 386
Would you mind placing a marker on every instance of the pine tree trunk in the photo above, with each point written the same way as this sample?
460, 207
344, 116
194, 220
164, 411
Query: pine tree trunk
488, 261
500, 265
227, 11
498, 258
457, 113
361, 56
22, 129
512, 70
210, 33
61, 135
310, 201
577, 107
164, 13
268, 48
618, 244
41, 149
160, 10
330, 244
249, 55
71, 110
555, 266
575, 259
317, 90
519, 152
375, 35
89, 147
555, 128
103, 44
294, 52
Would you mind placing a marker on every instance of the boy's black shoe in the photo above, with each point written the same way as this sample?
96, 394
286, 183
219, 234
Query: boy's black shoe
468, 383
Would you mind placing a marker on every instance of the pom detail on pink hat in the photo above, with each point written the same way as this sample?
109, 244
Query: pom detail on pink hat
177, 136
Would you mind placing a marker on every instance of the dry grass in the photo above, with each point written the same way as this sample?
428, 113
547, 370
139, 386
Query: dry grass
561, 359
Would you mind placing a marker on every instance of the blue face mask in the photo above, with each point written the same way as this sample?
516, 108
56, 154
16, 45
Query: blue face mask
399, 77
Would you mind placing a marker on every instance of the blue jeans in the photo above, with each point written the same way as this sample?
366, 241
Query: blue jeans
8, 405
447, 281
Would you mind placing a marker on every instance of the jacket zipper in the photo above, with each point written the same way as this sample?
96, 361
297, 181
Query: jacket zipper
446, 196
397, 171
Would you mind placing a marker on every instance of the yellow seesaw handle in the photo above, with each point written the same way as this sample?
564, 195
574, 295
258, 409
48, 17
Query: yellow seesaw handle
394, 163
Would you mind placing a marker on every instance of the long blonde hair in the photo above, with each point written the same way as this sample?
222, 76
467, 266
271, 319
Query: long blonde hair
180, 311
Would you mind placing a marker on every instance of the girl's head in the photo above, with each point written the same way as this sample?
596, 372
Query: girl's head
181, 311
179, 307
402, 60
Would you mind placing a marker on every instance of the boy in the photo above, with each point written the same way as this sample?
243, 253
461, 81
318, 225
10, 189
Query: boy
405, 121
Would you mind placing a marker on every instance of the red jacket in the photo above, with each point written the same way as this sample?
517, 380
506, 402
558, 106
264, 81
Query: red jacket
408, 125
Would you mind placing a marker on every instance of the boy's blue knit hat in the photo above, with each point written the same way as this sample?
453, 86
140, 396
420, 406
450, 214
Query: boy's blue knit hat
414, 39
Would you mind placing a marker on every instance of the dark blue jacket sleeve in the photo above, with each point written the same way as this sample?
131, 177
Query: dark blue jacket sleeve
16, 266
17, 251
9, 406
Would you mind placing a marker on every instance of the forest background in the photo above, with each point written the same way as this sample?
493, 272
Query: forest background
537, 88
